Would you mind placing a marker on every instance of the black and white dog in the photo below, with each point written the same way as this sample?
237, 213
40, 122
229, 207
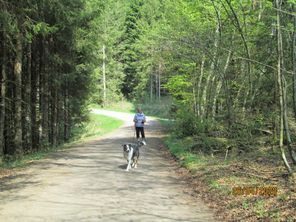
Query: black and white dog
131, 152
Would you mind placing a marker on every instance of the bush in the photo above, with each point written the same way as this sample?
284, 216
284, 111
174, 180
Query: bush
185, 123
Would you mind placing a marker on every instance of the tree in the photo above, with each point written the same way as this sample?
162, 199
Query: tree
41, 57
129, 53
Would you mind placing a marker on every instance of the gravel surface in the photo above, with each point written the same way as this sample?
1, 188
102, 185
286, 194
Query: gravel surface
89, 183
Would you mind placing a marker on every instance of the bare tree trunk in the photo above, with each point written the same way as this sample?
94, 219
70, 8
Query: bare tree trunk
44, 95
59, 116
256, 89
2, 104
280, 86
39, 92
151, 87
35, 100
237, 25
229, 105
260, 10
286, 124
104, 77
18, 97
159, 84
211, 73
9, 106
293, 57
27, 111
219, 85
66, 114
54, 116
204, 96
194, 86
200, 108
156, 84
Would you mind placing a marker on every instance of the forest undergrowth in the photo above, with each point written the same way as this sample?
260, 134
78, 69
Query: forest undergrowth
241, 177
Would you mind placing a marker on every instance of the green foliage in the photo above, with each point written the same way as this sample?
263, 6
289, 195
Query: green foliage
185, 123
107, 30
129, 53
179, 87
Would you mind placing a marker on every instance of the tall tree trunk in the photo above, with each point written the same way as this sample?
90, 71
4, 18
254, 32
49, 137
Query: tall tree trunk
18, 97
3, 97
40, 92
280, 86
156, 84
293, 57
35, 99
206, 90
229, 104
159, 83
59, 111
9, 105
151, 87
194, 86
44, 94
200, 105
27, 105
66, 114
286, 124
219, 85
54, 116
104, 76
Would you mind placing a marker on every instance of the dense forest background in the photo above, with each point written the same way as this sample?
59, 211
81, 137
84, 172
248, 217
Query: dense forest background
228, 65
224, 72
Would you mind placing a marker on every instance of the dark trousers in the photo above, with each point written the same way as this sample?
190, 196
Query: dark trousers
138, 130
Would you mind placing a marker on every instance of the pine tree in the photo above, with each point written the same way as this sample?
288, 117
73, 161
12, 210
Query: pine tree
129, 52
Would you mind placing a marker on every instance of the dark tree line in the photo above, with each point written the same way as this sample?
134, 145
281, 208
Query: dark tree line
45, 80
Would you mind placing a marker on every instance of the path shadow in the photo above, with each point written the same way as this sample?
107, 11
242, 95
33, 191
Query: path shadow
123, 166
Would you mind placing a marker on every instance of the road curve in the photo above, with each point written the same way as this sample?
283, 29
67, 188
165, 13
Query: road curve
89, 183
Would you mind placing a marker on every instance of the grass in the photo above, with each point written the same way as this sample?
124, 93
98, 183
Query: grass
98, 125
216, 179
123, 106
181, 150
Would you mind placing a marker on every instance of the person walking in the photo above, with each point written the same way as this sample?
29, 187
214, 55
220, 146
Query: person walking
139, 120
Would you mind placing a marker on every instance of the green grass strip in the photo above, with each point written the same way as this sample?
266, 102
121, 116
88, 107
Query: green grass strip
97, 126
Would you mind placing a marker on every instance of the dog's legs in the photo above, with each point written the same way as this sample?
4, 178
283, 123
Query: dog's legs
128, 166
130, 154
136, 161
136, 164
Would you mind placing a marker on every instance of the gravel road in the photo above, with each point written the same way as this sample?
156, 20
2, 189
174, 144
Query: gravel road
88, 182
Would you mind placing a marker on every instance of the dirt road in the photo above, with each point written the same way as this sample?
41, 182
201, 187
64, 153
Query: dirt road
89, 183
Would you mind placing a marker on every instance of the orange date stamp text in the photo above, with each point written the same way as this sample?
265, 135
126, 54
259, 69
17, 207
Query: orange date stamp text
269, 191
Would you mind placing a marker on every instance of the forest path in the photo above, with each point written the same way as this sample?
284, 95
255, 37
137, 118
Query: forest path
89, 183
